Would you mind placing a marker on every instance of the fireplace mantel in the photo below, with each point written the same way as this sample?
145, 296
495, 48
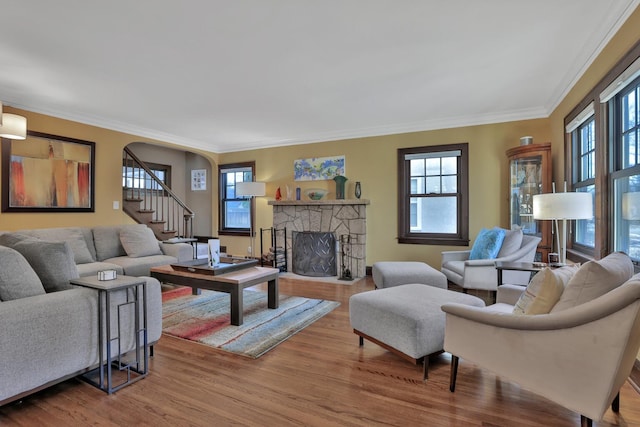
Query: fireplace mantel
319, 202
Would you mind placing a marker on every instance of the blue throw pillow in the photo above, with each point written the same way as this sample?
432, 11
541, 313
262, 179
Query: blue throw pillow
487, 244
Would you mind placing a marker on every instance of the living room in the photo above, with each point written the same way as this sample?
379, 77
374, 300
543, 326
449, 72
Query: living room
272, 391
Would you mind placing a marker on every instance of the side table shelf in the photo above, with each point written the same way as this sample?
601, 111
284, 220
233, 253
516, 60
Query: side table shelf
132, 368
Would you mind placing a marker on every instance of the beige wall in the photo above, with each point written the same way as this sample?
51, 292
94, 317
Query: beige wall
373, 162
620, 44
108, 172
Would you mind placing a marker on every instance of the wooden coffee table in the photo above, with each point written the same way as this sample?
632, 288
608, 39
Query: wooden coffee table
232, 283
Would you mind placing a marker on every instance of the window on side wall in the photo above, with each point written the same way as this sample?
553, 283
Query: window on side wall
433, 196
583, 144
236, 212
134, 177
625, 176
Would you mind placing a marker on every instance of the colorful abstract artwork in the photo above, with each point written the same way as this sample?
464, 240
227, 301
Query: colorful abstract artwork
318, 168
47, 173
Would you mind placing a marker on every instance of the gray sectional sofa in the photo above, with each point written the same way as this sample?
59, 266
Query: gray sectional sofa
49, 328
130, 249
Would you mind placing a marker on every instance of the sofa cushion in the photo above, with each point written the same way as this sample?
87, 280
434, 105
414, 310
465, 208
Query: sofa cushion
107, 241
53, 262
487, 244
511, 243
10, 239
17, 278
594, 279
139, 241
73, 235
544, 290
140, 266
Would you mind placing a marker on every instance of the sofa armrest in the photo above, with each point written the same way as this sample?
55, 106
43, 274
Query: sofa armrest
455, 256
181, 251
591, 311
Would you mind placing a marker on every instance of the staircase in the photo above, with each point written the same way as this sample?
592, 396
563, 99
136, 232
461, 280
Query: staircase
149, 201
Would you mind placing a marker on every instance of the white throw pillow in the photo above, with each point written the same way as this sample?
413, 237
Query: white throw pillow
139, 241
511, 243
544, 290
594, 279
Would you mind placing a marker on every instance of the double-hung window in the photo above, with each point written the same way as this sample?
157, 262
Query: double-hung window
582, 135
433, 195
625, 175
236, 212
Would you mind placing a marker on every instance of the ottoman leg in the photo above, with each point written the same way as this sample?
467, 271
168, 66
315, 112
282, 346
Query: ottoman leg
361, 341
425, 366
454, 373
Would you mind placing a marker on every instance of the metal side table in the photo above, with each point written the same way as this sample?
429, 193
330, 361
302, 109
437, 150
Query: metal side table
133, 369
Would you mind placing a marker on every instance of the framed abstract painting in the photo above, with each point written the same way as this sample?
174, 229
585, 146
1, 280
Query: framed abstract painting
48, 173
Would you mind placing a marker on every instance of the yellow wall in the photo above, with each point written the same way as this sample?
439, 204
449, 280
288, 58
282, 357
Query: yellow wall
108, 173
620, 44
373, 162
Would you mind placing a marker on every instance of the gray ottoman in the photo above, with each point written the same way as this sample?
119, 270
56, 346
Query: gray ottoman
406, 319
393, 273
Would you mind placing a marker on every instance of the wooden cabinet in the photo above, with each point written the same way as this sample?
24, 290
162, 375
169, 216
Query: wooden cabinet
529, 174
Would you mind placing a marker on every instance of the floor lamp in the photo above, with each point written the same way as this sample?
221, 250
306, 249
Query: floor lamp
251, 189
562, 207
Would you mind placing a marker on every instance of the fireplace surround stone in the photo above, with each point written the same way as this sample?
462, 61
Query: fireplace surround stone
342, 217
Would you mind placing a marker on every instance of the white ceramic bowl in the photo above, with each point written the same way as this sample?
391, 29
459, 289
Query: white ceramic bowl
315, 193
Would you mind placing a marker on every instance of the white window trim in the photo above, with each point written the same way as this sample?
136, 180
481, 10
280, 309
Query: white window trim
584, 115
621, 82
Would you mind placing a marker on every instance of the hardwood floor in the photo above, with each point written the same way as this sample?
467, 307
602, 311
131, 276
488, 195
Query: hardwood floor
318, 377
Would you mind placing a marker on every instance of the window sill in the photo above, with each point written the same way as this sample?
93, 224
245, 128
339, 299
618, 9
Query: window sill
433, 241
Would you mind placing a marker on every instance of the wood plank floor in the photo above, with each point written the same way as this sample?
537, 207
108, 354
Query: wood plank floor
318, 377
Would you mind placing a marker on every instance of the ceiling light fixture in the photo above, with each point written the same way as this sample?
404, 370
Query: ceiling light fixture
12, 126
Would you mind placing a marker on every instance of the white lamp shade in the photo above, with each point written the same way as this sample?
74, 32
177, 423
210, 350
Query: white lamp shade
563, 206
13, 126
250, 188
631, 206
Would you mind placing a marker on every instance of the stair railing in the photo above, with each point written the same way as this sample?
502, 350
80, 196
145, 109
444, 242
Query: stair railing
155, 196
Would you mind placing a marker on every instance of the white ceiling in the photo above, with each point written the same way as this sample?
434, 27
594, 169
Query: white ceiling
240, 74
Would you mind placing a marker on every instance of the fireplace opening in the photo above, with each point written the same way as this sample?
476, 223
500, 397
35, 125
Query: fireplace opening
313, 253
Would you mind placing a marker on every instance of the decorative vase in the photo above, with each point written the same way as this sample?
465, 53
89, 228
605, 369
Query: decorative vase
340, 180
358, 190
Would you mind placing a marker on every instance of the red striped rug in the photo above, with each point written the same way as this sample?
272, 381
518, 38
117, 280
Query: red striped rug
205, 319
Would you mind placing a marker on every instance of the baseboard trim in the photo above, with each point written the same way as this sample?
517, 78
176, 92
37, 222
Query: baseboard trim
634, 378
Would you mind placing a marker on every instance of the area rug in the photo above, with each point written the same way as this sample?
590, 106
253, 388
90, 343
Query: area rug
205, 319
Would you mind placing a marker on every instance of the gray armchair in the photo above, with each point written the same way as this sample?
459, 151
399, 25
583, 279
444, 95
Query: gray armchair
578, 357
481, 273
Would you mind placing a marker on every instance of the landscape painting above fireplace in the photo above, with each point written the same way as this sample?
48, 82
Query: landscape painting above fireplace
318, 168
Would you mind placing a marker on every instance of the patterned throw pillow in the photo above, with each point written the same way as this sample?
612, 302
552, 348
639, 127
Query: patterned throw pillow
544, 290
487, 244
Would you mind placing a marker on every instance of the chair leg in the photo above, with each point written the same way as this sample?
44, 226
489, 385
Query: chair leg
361, 341
615, 405
585, 422
454, 373
150, 351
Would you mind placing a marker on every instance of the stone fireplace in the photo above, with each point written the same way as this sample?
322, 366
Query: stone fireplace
341, 217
